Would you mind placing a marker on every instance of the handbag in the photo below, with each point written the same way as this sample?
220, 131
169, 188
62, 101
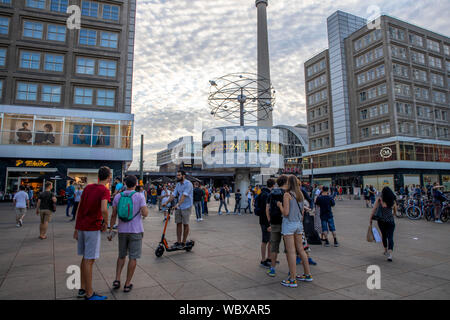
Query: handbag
378, 214
370, 237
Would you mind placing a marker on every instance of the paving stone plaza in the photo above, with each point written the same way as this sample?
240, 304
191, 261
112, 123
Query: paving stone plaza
224, 264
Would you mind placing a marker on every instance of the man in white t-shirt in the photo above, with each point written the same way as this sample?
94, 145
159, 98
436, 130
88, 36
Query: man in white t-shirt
21, 202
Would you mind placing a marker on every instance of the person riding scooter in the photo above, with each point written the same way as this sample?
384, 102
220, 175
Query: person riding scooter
184, 192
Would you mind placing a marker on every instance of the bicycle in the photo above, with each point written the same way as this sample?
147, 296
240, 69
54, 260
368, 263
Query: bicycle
414, 212
401, 207
445, 212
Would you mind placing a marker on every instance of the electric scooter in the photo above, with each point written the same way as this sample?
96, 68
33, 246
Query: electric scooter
163, 245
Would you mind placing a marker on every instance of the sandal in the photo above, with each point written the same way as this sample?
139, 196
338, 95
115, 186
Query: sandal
127, 288
116, 284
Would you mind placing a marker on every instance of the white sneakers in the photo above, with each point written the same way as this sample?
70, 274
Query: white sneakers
438, 221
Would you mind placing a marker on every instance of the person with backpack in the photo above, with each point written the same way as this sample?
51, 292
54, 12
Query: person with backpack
366, 195
70, 194
325, 202
129, 206
438, 199
77, 198
274, 218
44, 208
260, 211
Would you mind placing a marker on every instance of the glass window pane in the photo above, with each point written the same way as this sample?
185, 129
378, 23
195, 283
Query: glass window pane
4, 25
51, 93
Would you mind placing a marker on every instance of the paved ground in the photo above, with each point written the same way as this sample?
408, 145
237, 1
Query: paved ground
225, 261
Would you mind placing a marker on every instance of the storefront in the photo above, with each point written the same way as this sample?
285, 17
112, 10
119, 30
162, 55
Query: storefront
379, 182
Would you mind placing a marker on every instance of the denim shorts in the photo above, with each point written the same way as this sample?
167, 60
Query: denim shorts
290, 228
328, 223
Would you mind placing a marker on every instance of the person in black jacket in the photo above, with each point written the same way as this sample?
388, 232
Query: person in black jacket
264, 223
198, 196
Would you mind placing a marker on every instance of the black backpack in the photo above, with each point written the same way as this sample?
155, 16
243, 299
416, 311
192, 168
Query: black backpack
260, 202
311, 234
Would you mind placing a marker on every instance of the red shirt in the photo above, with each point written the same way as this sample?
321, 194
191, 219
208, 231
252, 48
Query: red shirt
89, 216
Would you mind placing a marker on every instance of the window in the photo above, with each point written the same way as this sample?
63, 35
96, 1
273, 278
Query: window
59, 5
5, 1
420, 75
4, 25
447, 49
363, 114
83, 96
89, 9
33, 29
51, 93
54, 62
380, 70
398, 52
108, 39
439, 97
435, 62
27, 91
381, 89
404, 108
437, 79
416, 40
56, 33
443, 133
105, 97
421, 93
375, 130
1, 89
396, 34
400, 70
373, 112
402, 89
385, 128
384, 108
85, 66
417, 57
365, 132
406, 128
424, 112
88, 37
107, 68
110, 12
30, 60
2, 57
426, 131
433, 45
38, 4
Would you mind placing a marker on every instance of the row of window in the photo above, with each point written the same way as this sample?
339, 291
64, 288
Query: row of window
416, 57
371, 75
318, 127
55, 32
372, 93
315, 68
317, 82
52, 62
402, 89
423, 112
369, 57
52, 93
374, 111
319, 143
88, 8
417, 40
368, 39
318, 97
376, 130
318, 112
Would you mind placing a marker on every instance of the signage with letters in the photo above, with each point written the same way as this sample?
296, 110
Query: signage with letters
32, 163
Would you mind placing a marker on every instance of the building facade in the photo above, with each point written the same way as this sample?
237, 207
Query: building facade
182, 153
65, 94
396, 119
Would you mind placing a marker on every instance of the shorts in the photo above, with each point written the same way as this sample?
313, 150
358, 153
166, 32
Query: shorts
21, 211
130, 243
265, 234
275, 238
182, 215
328, 223
46, 215
289, 228
89, 244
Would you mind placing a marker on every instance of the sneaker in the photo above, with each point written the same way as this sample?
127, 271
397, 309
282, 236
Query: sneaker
228, 213
290, 283
386, 253
81, 293
327, 243
438, 221
336, 244
298, 260
201, 219
21, 223
175, 245
271, 272
304, 277
95, 297
219, 213
265, 264
389, 258
181, 246
312, 262
17, 225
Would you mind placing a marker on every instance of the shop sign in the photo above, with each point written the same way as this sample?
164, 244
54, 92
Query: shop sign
386, 152
32, 163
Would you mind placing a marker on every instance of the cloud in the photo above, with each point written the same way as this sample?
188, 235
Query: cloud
181, 44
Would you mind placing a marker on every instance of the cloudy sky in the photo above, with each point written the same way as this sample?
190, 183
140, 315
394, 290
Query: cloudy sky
181, 44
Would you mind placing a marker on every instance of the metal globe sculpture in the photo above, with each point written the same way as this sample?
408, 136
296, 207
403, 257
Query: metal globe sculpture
239, 99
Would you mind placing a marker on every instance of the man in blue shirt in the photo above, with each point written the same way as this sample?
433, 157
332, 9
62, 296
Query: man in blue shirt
70, 194
184, 191
325, 202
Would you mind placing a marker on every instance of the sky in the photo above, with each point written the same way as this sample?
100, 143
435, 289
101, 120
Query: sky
182, 44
